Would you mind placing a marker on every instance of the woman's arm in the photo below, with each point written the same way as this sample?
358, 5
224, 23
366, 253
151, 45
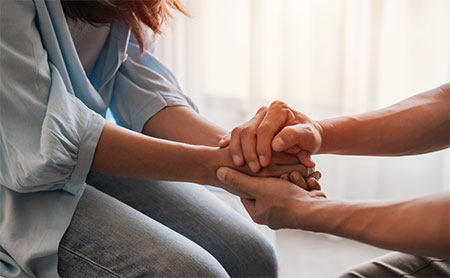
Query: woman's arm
182, 124
125, 153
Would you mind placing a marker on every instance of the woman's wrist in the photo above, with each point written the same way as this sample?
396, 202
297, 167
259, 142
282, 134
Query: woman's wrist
210, 159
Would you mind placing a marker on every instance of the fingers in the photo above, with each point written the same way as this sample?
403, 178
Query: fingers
248, 144
305, 158
225, 141
312, 181
293, 150
235, 148
309, 183
278, 170
274, 120
317, 194
237, 182
243, 142
296, 178
284, 159
313, 184
286, 138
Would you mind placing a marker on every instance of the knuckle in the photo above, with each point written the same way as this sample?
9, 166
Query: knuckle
236, 130
292, 133
264, 130
261, 129
277, 103
248, 131
261, 109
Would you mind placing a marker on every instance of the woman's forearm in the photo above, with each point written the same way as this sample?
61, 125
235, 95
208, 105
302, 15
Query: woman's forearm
182, 124
416, 125
125, 153
418, 226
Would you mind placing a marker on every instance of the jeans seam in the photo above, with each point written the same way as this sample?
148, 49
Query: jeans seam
84, 257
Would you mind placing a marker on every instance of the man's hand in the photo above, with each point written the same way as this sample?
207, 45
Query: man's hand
282, 165
271, 201
276, 128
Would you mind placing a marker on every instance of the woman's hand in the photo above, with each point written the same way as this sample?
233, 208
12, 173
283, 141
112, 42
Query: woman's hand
278, 128
280, 165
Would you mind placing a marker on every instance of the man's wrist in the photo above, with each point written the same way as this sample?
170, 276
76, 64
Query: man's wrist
313, 215
324, 127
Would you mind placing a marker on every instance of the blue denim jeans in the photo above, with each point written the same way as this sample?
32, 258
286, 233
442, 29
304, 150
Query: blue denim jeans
144, 228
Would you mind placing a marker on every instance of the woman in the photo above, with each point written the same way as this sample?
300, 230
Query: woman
58, 77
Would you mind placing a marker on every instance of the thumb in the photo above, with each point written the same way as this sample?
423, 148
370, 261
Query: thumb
286, 138
237, 182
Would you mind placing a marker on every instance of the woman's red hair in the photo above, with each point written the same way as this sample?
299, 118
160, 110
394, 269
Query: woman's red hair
135, 13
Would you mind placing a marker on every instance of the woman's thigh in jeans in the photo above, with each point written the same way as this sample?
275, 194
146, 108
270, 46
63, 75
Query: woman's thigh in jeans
107, 238
197, 214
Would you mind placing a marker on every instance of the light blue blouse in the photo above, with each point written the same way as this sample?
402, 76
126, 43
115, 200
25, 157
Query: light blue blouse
51, 117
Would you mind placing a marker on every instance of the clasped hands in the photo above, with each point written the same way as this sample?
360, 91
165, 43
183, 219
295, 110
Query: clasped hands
276, 132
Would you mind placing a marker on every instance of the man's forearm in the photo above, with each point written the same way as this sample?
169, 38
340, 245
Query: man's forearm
417, 125
182, 124
419, 226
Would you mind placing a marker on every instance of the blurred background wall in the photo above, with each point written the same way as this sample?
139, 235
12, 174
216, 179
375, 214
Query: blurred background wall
325, 58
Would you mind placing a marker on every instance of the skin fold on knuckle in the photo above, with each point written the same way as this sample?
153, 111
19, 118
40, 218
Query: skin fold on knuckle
236, 131
248, 132
261, 110
278, 104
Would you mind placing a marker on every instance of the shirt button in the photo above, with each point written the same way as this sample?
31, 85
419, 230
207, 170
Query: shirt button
125, 57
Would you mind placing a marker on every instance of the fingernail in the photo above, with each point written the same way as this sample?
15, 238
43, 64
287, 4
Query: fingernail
279, 143
236, 160
221, 174
253, 166
263, 160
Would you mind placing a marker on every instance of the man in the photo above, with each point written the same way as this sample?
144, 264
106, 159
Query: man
419, 226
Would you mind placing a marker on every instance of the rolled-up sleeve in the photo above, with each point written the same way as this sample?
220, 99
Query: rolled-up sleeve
47, 135
143, 86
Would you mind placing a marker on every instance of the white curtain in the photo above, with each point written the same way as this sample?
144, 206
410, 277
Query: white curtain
325, 58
